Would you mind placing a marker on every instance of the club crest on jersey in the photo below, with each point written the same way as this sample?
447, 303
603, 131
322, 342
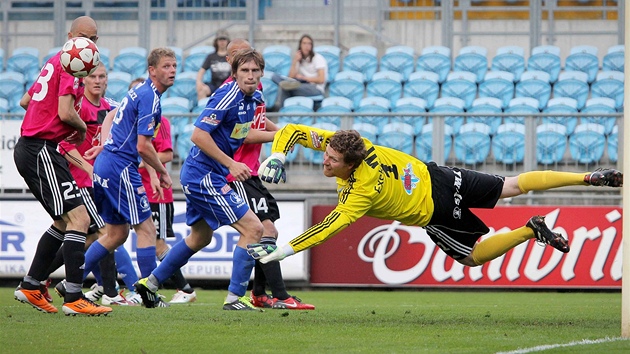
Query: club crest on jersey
409, 180
236, 199
316, 140
212, 120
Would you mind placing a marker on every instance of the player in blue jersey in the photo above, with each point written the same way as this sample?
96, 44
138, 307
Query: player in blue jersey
120, 196
220, 130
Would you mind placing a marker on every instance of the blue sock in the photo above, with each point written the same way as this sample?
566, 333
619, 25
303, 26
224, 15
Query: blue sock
175, 259
242, 265
146, 260
125, 268
93, 255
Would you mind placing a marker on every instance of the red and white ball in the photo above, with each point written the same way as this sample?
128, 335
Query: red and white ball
80, 57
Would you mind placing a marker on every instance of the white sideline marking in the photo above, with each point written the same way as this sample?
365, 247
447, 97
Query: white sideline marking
570, 344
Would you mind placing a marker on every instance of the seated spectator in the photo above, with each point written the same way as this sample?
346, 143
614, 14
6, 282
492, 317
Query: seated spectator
218, 65
307, 76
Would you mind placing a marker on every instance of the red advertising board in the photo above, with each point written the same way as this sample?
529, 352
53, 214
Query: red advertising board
374, 252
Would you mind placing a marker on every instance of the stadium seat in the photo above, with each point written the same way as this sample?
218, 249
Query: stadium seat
25, 60
424, 142
363, 59
52, 52
609, 84
201, 105
386, 84
583, 58
179, 57
508, 144
348, 84
562, 105
183, 142
4, 105
510, 59
423, 84
472, 144
397, 135
551, 143
498, 84
525, 105
296, 105
334, 108
473, 59
367, 130
12, 87
278, 59
603, 105
299, 101
614, 58
449, 105
399, 59
104, 55
545, 58
332, 54
436, 59
176, 109
314, 156
185, 86
196, 56
411, 105
1, 59
587, 143
534, 84
460, 84
373, 105
486, 105
132, 60
270, 91
613, 144
572, 84
117, 85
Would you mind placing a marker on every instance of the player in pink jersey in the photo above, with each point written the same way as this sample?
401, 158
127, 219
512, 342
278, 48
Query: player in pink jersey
50, 118
263, 204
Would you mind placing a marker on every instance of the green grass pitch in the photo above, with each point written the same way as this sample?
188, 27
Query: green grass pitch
344, 321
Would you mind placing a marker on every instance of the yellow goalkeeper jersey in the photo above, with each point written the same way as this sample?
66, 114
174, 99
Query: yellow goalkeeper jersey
388, 184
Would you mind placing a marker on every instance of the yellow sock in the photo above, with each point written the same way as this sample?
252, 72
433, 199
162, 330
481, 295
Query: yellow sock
497, 245
543, 180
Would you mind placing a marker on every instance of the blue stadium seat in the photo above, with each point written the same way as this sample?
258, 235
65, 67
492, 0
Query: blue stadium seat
583, 58
1, 59
185, 86
332, 54
545, 58
510, 59
363, 59
12, 87
173, 108
562, 105
424, 142
105, 55
397, 135
270, 91
278, 59
461, 84
436, 59
314, 156
300, 101
411, 105
179, 57
613, 144
373, 105
400, 59
423, 84
367, 130
334, 108
534, 84
25, 60
508, 144
196, 56
600, 105
473, 59
201, 105
118, 84
498, 84
472, 144
609, 84
297, 104
132, 60
487, 105
183, 142
551, 143
348, 84
614, 58
4, 105
450, 105
525, 105
572, 84
386, 84
52, 52
587, 143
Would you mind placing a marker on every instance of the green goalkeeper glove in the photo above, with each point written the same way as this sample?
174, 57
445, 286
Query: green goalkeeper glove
268, 253
272, 169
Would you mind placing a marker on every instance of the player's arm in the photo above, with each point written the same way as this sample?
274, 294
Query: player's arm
69, 115
25, 100
74, 157
259, 136
92, 152
208, 146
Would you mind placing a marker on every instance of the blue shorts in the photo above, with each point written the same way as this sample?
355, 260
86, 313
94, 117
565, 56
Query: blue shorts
118, 191
209, 196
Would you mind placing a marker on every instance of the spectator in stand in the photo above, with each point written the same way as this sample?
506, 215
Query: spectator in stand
307, 76
218, 66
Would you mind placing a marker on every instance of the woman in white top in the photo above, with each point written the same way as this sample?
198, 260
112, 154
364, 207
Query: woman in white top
307, 76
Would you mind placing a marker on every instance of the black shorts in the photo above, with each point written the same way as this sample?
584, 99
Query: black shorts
96, 222
47, 175
453, 227
162, 214
260, 201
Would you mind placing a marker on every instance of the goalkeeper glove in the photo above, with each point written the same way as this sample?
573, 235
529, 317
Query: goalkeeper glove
268, 253
272, 169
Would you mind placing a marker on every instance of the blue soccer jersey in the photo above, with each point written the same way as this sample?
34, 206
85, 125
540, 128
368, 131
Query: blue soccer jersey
227, 118
139, 113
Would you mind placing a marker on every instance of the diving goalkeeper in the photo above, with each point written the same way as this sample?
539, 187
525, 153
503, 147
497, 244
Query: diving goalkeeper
388, 184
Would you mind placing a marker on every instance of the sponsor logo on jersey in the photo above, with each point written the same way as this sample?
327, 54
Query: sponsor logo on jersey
212, 120
240, 130
409, 180
316, 140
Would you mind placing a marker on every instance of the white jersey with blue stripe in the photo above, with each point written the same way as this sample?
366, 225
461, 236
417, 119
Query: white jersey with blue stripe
227, 118
139, 113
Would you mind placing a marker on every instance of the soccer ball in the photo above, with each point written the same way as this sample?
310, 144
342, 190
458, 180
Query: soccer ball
79, 57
